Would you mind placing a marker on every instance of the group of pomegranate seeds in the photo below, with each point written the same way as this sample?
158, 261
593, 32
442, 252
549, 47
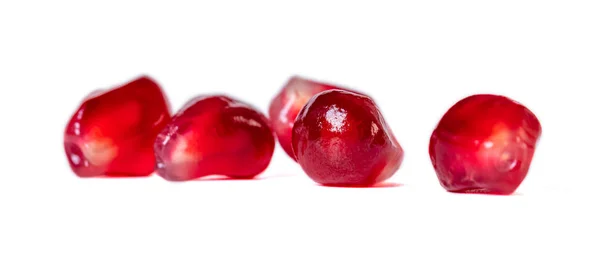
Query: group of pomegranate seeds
483, 144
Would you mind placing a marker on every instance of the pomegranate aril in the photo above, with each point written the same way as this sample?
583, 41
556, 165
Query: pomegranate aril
112, 132
340, 138
284, 108
214, 135
484, 144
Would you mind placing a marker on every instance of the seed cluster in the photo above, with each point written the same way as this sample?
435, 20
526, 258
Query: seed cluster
483, 144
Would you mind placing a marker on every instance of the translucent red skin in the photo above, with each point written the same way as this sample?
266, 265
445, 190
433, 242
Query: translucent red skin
284, 108
112, 132
484, 144
220, 136
340, 138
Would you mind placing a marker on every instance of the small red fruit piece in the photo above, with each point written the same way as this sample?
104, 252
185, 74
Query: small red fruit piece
484, 144
112, 132
340, 138
284, 108
214, 135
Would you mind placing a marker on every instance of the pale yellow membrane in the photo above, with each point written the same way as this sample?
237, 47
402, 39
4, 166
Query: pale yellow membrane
99, 151
181, 154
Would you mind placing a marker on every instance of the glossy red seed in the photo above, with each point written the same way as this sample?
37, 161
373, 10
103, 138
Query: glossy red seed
484, 144
112, 133
286, 105
214, 135
340, 138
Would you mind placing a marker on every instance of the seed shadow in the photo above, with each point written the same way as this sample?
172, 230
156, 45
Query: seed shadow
212, 178
216, 178
116, 178
379, 185
388, 185
488, 194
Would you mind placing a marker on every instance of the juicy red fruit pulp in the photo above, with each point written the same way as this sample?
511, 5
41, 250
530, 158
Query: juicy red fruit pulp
340, 138
112, 132
284, 108
484, 144
214, 135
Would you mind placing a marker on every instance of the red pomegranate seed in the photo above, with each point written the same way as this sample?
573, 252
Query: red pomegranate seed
112, 132
341, 139
214, 135
286, 105
484, 144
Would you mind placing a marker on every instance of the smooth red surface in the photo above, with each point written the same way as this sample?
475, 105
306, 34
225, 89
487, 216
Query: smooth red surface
112, 133
484, 144
286, 105
214, 135
340, 138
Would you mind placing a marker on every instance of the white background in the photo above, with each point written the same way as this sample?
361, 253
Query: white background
416, 58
